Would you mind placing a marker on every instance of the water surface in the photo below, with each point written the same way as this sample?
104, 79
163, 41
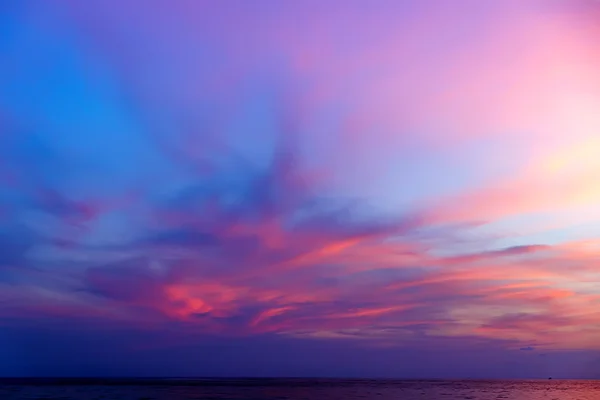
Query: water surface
296, 389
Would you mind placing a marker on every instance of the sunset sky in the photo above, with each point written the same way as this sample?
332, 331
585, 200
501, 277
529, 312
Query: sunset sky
300, 188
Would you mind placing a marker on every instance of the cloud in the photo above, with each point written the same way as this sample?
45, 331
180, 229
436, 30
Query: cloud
270, 256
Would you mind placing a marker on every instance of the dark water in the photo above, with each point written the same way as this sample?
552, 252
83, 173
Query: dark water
298, 389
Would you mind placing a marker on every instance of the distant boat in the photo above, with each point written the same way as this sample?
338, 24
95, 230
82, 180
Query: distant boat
550, 378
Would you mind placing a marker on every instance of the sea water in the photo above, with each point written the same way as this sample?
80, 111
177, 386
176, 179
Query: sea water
298, 389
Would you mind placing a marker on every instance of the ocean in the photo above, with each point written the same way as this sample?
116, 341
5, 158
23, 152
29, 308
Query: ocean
296, 389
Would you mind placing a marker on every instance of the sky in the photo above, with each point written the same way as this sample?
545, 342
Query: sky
300, 188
